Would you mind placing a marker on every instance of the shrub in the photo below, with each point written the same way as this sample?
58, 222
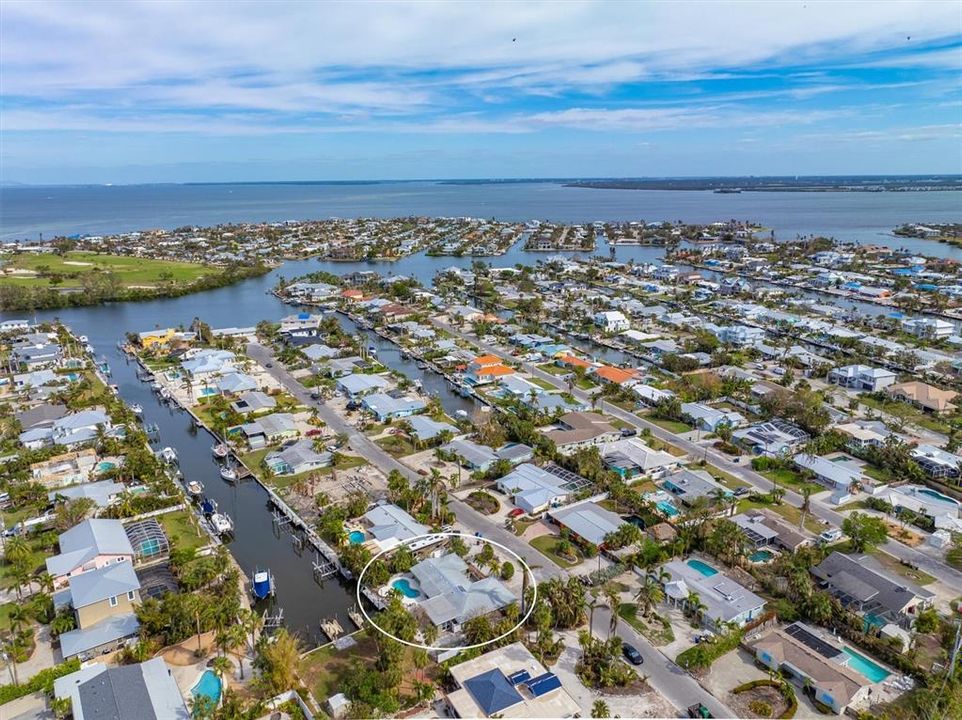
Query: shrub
704, 654
41, 682
760, 708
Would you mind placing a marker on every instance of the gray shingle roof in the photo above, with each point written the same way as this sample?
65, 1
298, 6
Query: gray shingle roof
97, 585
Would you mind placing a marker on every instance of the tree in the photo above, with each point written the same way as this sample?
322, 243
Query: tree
599, 709
865, 531
277, 661
649, 595
507, 571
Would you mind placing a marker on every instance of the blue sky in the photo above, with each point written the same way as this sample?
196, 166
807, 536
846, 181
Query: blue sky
171, 92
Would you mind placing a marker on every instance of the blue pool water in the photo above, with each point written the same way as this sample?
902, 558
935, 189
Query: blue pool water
704, 568
208, 685
937, 496
403, 585
861, 664
356, 537
208, 391
761, 556
105, 465
667, 508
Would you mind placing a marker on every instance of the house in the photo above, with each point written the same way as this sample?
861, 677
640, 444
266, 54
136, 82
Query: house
339, 367
650, 395
252, 402
90, 545
386, 407
154, 338
103, 602
357, 385
102, 493
710, 419
573, 361
298, 458
587, 521
38, 379
817, 664
425, 429
863, 435
465, 313
942, 509
861, 377
235, 383
318, 352
764, 528
486, 369
631, 458
35, 357
66, 469
480, 457
611, 321
508, 682
516, 386
616, 376
71, 430
269, 429
206, 363
724, 600
582, 429
838, 476
937, 463
533, 489
773, 438
391, 526
452, 597
689, 485
863, 589
922, 395
146, 691
928, 328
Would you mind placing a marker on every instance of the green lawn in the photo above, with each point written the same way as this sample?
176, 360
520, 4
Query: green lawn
396, 445
729, 481
181, 531
553, 369
545, 544
543, 384
673, 426
789, 478
791, 513
132, 271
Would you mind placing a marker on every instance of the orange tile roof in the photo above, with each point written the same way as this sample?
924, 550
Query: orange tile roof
574, 361
615, 375
487, 360
494, 370
352, 293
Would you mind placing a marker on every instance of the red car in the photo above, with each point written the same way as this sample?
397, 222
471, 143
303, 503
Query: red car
517, 512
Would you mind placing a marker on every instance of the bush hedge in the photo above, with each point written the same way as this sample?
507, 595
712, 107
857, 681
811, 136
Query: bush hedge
704, 654
42, 681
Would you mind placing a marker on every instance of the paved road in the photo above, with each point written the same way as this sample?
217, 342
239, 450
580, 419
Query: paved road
931, 564
667, 678
542, 566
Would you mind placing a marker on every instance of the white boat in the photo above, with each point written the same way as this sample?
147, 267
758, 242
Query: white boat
228, 473
461, 413
194, 488
137, 409
220, 450
222, 523
164, 394
169, 455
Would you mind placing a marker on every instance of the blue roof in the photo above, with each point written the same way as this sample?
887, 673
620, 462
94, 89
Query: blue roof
519, 677
492, 691
303, 316
543, 684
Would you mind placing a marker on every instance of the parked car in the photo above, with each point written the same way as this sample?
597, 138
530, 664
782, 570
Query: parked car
699, 711
631, 654
829, 536
517, 512
268, 364
628, 432
739, 491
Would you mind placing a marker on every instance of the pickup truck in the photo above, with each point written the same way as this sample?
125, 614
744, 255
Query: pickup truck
699, 711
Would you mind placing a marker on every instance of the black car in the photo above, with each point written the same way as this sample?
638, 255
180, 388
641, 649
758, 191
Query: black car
699, 711
628, 432
631, 654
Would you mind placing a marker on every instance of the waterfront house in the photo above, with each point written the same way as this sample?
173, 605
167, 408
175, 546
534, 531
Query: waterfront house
632, 458
928, 328
611, 321
391, 526
534, 489
587, 521
773, 438
66, 469
508, 682
386, 407
206, 363
650, 395
269, 429
103, 602
317, 352
102, 493
253, 402
867, 590
145, 690
70, 431
38, 379
235, 383
89, 545
578, 430
301, 457
425, 429
35, 356
924, 396
710, 419
862, 377
815, 663
573, 361
452, 596
615, 376
937, 463
724, 600
155, 338
486, 369
358, 385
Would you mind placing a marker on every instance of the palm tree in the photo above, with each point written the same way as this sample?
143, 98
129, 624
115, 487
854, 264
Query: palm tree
694, 605
649, 595
806, 492
600, 709
613, 600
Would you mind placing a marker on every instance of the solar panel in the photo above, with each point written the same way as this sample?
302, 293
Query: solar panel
519, 677
811, 640
543, 684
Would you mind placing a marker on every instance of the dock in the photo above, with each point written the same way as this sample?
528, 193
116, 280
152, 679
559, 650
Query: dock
332, 628
356, 616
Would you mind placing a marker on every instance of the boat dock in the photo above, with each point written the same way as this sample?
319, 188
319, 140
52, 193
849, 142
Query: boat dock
332, 628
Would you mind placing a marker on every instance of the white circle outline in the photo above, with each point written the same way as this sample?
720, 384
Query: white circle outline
458, 648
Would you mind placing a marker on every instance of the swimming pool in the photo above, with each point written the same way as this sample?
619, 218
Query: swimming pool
760, 556
105, 465
209, 686
936, 495
403, 586
208, 391
356, 537
862, 665
666, 507
702, 567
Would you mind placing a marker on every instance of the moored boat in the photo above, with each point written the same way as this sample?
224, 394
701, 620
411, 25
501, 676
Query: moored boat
222, 523
208, 506
228, 473
220, 450
262, 584
194, 488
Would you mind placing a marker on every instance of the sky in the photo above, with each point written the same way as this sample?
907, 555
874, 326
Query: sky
213, 91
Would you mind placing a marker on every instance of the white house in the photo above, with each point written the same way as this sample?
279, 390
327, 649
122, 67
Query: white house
611, 321
862, 377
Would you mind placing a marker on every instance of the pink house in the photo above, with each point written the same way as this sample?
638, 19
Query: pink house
90, 545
